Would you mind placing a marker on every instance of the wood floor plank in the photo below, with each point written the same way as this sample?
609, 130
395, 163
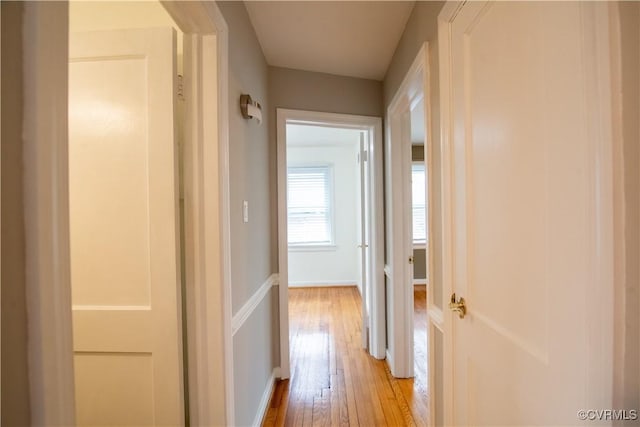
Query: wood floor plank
334, 382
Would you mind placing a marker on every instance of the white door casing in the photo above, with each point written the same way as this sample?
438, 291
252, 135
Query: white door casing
45, 51
374, 293
399, 263
528, 211
399, 238
363, 236
124, 228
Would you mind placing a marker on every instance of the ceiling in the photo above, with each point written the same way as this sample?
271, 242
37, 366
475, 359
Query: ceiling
347, 38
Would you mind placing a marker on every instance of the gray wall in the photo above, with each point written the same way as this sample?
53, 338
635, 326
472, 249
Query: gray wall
248, 157
306, 90
423, 26
15, 381
251, 243
630, 333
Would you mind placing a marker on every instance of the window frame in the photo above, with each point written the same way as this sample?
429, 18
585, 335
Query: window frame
419, 243
330, 186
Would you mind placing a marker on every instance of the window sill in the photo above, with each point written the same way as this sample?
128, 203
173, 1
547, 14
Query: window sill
312, 248
419, 245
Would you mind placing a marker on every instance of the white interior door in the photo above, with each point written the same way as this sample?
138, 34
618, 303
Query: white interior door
364, 212
527, 247
124, 228
399, 260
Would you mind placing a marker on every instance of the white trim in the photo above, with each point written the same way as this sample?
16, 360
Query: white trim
248, 308
419, 282
324, 284
436, 318
446, 16
45, 47
206, 219
283, 248
195, 17
264, 401
225, 203
602, 132
46, 219
377, 316
414, 88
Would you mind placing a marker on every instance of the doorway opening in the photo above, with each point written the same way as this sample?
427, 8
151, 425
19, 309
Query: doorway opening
329, 214
136, 170
126, 229
47, 70
330, 253
410, 248
326, 248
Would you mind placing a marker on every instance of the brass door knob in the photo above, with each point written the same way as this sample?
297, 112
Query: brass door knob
458, 306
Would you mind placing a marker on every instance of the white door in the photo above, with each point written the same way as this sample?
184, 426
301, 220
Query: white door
528, 208
124, 228
371, 229
399, 243
364, 213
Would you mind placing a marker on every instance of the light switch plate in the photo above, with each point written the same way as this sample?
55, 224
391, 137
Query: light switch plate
245, 211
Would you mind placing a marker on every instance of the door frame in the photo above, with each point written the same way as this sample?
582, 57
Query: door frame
50, 349
413, 89
601, 104
377, 317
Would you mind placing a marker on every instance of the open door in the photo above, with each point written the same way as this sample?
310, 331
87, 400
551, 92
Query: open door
530, 211
399, 242
408, 121
125, 272
365, 238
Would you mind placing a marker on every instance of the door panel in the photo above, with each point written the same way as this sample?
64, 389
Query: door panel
124, 233
523, 205
364, 213
399, 244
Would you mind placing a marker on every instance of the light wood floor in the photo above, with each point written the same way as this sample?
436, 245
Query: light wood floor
334, 382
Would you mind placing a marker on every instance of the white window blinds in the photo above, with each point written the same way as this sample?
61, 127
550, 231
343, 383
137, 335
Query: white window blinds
418, 179
309, 205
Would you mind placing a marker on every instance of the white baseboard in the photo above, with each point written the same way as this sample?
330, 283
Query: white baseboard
264, 402
419, 282
323, 284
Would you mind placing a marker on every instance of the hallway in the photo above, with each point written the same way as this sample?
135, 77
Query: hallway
333, 380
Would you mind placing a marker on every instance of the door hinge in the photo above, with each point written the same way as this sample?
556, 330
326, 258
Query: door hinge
365, 156
180, 88
411, 260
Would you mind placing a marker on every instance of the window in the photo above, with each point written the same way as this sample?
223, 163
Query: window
309, 212
418, 180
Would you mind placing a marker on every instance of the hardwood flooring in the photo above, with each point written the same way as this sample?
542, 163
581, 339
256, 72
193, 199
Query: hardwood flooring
334, 382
